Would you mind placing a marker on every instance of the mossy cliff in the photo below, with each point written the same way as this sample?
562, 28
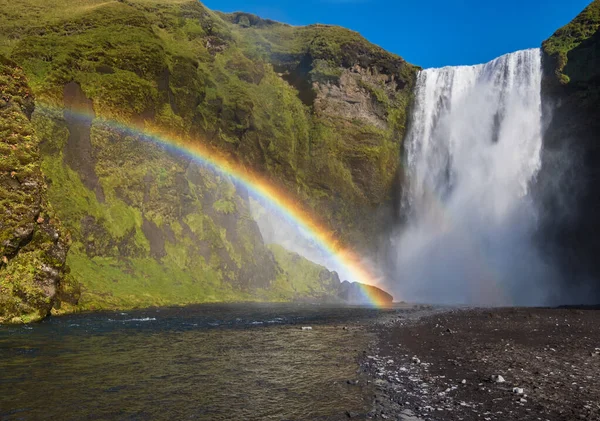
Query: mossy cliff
563, 48
305, 280
357, 97
318, 110
33, 244
571, 155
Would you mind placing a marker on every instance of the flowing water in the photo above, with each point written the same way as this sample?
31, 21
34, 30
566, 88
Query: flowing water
238, 362
472, 152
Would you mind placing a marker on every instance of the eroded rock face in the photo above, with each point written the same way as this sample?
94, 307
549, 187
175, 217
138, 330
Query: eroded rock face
568, 181
357, 97
350, 98
33, 244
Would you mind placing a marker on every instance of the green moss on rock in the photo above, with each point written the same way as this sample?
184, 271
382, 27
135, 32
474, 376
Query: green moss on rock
257, 89
318, 110
570, 36
302, 279
33, 246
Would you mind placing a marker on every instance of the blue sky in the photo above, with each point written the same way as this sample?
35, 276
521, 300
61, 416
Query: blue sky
429, 33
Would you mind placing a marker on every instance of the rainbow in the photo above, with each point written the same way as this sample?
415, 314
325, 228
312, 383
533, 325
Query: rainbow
256, 184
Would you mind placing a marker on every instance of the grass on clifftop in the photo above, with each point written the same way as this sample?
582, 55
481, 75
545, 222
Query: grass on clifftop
332, 47
572, 35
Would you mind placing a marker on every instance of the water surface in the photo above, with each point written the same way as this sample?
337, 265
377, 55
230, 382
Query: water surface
238, 362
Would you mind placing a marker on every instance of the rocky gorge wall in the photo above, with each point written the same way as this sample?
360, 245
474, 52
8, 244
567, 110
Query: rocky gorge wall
318, 110
569, 185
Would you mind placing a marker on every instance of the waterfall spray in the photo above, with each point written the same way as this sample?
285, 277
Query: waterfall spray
471, 153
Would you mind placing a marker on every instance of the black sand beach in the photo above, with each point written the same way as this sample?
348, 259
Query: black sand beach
445, 365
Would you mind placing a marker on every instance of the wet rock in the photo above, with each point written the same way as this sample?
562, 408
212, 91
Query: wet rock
408, 415
496, 378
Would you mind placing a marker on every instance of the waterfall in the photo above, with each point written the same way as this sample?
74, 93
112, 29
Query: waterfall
471, 154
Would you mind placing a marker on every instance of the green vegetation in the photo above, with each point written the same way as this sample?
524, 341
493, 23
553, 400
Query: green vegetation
32, 245
351, 161
570, 36
301, 278
244, 84
149, 228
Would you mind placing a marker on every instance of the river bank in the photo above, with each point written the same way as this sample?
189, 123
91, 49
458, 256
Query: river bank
487, 364
304, 362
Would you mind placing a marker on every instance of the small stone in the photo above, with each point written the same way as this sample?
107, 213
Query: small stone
415, 360
464, 381
497, 378
518, 390
306, 328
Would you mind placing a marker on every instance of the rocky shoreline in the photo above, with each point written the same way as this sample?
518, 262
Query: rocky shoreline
485, 364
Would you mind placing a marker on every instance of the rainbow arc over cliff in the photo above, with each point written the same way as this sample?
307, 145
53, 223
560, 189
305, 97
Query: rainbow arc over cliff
257, 185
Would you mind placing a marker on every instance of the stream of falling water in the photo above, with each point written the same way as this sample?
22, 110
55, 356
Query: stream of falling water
471, 154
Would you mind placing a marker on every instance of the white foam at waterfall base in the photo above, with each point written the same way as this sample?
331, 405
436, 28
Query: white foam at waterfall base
470, 155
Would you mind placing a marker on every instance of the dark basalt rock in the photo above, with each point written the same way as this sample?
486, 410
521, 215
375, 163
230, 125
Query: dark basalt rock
567, 184
357, 293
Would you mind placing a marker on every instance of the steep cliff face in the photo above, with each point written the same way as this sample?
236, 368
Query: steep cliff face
318, 110
570, 173
358, 97
148, 227
33, 244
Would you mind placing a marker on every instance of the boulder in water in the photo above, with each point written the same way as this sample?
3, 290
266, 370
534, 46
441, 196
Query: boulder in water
357, 293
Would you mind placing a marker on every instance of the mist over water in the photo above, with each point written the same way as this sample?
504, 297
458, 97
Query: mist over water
276, 229
472, 152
